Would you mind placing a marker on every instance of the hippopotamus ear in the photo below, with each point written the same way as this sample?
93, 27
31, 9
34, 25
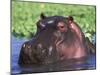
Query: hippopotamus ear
42, 16
70, 19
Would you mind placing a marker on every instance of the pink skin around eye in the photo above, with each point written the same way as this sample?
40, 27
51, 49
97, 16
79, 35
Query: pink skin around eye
62, 27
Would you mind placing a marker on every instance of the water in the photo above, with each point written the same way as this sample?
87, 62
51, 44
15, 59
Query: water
60, 66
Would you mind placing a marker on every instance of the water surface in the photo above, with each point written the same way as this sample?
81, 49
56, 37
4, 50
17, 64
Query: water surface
60, 66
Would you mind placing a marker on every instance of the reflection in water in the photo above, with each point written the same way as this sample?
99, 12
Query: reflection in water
59, 66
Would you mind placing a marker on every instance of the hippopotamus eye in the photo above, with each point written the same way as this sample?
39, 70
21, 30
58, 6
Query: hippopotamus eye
61, 26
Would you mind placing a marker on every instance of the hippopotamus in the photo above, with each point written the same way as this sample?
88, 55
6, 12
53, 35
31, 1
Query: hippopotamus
58, 38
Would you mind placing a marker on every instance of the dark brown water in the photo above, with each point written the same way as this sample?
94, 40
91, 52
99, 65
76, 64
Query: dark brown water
89, 64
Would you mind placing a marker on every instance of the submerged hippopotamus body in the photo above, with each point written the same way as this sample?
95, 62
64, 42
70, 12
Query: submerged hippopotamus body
58, 38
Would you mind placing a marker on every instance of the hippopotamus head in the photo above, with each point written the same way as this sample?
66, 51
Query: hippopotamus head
52, 21
58, 38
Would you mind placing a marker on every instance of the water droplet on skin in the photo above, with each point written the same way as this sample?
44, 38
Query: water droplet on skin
24, 45
50, 50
